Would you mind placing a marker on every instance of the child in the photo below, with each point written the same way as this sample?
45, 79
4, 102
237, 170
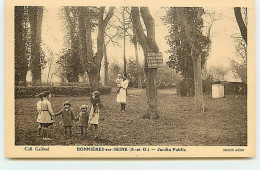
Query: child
46, 115
118, 82
67, 117
94, 112
83, 118
39, 107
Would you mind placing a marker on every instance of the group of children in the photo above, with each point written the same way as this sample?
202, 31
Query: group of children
85, 118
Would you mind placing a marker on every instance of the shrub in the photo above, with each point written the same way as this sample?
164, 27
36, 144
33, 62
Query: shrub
32, 91
207, 86
186, 89
235, 88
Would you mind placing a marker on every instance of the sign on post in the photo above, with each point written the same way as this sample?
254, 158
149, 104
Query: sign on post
154, 59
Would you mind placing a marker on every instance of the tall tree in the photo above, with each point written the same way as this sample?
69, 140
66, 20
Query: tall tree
35, 19
139, 74
148, 44
21, 44
71, 59
92, 62
125, 25
239, 66
180, 57
110, 39
106, 76
241, 23
128, 31
192, 31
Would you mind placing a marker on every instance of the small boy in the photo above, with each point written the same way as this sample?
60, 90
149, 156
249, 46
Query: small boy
67, 118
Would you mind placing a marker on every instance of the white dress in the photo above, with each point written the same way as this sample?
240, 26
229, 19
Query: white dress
94, 116
121, 97
46, 112
39, 104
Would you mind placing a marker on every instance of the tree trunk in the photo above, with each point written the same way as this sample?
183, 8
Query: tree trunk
74, 59
199, 102
35, 18
196, 58
124, 57
105, 66
148, 43
139, 75
94, 62
94, 78
151, 92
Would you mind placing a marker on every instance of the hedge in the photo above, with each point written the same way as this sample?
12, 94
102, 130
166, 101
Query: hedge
235, 88
33, 91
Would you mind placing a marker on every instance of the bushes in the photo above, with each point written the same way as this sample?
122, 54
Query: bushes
187, 89
235, 88
32, 91
207, 86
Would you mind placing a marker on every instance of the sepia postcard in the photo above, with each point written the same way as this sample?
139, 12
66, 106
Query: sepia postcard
129, 79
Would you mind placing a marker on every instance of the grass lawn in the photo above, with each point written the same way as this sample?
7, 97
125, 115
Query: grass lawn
224, 123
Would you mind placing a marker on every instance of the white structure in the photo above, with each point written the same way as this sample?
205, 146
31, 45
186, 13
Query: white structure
217, 91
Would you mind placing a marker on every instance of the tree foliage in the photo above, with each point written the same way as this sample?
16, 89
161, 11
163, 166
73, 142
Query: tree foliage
22, 54
180, 57
239, 66
37, 55
28, 52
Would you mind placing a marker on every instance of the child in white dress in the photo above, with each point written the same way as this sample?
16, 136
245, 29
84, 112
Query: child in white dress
94, 113
46, 119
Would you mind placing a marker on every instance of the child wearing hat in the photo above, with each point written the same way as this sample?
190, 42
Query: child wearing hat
94, 112
67, 117
82, 119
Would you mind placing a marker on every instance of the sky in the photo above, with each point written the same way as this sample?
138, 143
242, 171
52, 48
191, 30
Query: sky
222, 48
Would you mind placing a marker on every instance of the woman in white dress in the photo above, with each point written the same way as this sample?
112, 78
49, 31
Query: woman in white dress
121, 96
